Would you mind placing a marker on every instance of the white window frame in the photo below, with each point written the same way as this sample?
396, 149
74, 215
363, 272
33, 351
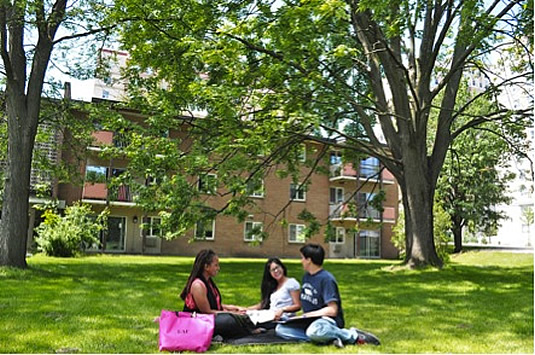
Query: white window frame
150, 221
258, 193
302, 153
254, 237
300, 192
205, 238
339, 192
339, 232
208, 180
298, 235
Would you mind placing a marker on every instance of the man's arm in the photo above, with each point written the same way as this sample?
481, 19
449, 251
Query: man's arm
331, 310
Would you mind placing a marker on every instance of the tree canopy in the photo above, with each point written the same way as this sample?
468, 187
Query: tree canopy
367, 75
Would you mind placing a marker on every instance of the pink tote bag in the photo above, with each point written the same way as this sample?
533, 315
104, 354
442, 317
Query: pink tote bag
185, 331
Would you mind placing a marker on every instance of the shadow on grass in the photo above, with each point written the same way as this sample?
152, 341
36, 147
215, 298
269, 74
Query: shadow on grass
106, 304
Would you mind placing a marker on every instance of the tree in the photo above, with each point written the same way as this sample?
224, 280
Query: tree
472, 183
336, 69
475, 175
29, 32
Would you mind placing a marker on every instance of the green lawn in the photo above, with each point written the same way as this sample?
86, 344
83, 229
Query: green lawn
482, 302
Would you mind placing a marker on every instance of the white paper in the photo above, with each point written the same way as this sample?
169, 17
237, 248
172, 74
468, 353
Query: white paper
261, 316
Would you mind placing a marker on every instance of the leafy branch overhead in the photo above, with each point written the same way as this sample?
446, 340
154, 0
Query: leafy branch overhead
363, 76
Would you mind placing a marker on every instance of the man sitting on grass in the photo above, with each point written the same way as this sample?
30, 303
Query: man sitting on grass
320, 299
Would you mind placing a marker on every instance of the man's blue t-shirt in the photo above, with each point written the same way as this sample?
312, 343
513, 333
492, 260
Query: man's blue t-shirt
318, 290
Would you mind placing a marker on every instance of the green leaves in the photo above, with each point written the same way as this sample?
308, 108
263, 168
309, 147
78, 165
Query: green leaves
69, 235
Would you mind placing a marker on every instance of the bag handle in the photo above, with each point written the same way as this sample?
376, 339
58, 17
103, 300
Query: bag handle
193, 315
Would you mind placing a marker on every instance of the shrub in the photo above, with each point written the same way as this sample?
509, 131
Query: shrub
67, 236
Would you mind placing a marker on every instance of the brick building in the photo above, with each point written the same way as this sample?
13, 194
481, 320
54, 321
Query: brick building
342, 197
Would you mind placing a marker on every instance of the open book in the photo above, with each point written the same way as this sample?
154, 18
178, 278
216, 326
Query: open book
261, 316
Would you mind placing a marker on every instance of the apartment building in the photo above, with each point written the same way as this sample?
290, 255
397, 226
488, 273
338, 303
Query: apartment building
342, 197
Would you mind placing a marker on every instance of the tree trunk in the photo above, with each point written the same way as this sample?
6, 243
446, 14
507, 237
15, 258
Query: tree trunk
418, 193
14, 224
23, 104
457, 230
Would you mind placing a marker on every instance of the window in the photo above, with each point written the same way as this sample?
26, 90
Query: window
152, 225
205, 230
296, 234
336, 195
369, 168
297, 192
369, 243
364, 207
114, 239
96, 174
336, 158
253, 231
117, 172
339, 236
302, 153
208, 184
255, 188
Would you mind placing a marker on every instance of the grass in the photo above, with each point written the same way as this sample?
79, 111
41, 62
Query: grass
482, 302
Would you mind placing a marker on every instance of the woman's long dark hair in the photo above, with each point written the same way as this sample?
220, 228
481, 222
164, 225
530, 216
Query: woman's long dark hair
204, 257
269, 284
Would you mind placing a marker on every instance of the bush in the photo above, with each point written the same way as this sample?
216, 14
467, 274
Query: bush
441, 228
67, 236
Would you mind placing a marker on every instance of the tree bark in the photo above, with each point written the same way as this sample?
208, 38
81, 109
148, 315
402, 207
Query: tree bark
457, 230
14, 225
418, 203
23, 105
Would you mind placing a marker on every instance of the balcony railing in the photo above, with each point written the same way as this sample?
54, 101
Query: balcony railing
353, 211
101, 138
367, 171
99, 191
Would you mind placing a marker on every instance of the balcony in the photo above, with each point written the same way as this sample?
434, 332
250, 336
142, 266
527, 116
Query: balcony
109, 138
368, 172
353, 212
98, 193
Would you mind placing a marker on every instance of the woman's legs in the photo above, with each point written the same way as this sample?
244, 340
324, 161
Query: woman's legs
230, 326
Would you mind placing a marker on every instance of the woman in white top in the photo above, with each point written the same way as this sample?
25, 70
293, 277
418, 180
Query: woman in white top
280, 293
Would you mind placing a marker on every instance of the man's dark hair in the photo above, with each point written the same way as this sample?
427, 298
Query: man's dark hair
315, 252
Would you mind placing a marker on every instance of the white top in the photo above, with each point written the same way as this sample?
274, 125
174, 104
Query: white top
282, 297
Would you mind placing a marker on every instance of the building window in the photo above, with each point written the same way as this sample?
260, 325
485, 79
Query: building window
335, 158
369, 168
205, 230
336, 195
296, 233
115, 237
302, 153
255, 188
96, 174
339, 237
366, 210
208, 184
152, 226
297, 192
369, 243
253, 231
